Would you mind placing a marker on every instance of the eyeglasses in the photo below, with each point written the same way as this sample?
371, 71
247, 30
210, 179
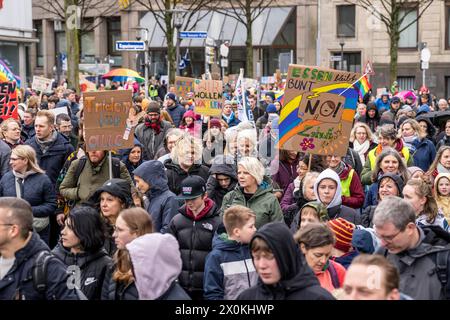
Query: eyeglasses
15, 159
387, 239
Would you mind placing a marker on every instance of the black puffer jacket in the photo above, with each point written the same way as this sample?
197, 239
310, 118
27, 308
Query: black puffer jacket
18, 282
176, 175
297, 282
215, 191
195, 240
113, 290
93, 267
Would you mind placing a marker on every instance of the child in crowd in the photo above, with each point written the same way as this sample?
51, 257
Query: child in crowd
442, 193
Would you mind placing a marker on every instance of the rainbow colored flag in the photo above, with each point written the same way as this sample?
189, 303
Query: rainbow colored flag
6, 75
362, 86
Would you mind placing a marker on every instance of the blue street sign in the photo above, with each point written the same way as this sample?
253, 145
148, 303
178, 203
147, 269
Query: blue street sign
130, 45
193, 34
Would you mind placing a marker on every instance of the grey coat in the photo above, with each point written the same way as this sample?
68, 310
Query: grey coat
5, 153
150, 141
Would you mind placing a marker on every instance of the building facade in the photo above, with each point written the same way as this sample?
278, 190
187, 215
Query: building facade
312, 32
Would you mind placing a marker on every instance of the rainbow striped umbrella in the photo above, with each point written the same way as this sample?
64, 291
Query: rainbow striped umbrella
122, 74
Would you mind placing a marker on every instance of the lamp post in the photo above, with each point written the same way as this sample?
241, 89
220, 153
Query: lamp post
146, 60
178, 19
342, 43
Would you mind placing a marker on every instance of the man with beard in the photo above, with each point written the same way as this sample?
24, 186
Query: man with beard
64, 126
151, 133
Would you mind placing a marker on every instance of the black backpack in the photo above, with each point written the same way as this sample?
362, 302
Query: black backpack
39, 274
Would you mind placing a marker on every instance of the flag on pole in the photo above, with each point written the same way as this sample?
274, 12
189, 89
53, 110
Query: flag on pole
362, 86
185, 60
244, 111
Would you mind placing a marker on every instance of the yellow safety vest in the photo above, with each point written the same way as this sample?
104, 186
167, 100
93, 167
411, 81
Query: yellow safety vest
373, 158
345, 184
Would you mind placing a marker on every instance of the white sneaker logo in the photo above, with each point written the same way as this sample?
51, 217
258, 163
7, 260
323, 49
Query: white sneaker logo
90, 281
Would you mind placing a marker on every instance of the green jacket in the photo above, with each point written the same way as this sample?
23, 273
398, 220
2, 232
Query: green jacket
91, 178
263, 203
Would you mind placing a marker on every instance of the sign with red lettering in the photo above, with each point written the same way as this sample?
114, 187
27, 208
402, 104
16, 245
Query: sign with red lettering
8, 100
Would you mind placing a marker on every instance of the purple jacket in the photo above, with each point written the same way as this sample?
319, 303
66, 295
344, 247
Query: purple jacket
288, 202
286, 173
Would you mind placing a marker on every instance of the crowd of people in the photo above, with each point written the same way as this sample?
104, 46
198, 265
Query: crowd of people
207, 208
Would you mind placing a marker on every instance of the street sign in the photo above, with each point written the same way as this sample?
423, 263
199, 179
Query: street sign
425, 54
335, 58
130, 45
224, 63
225, 49
425, 65
369, 69
193, 34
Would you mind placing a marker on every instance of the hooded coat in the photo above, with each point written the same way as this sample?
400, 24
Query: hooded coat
263, 203
229, 269
215, 192
335, 208
176, 113
160, 202
126, 161
195, 128
157, 264
21, 271
176, 175
297, 282
194, 235
93, 267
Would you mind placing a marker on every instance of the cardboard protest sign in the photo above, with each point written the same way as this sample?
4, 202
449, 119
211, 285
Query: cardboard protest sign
105, 119
41, 84
59, 110
319, 108
184, 85
8, 100
208, 97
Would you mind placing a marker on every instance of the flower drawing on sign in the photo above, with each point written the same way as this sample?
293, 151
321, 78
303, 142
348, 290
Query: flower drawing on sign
307, 144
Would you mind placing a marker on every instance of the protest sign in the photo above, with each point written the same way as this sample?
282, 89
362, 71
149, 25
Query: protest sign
105, 119
8, 100
57, 111
319, 108
184, 85
208, 97
41, 84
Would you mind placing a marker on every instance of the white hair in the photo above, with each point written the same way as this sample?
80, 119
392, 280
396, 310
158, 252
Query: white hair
254, 167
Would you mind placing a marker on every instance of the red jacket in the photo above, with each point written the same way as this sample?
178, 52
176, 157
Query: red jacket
356, 199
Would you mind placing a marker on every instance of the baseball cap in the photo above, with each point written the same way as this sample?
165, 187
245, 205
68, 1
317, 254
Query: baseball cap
192, 187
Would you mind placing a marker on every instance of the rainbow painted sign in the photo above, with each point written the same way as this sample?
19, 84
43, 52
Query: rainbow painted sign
319, 108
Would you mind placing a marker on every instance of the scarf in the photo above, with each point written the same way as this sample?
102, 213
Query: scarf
442, 169
208, 205
361, 149
408, 141
398, 146
340, 168
45, 144
156, 126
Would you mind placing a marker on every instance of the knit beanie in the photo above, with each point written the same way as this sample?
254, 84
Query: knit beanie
343, 231
215, 123
153, 107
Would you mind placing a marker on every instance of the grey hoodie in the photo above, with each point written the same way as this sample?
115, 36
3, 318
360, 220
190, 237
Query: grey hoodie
156, 264
335, 207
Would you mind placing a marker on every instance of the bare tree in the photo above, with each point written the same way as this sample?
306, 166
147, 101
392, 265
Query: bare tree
392, 13
163, 11
245, 12
74, 14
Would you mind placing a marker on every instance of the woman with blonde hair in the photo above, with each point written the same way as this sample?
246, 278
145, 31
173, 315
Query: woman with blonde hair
362, 140
254, 190
119, 282
185, 160
420, 147
28, 181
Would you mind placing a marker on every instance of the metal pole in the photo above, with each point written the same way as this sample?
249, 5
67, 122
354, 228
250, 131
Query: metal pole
178, 51
423, 77
146, 70
110, 165
342, 57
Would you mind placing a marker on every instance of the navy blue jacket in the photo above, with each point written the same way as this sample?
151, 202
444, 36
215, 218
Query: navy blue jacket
160, 203
229, 269
371, 196
20, 276
37, 190
423, 152
176, 113
55, 157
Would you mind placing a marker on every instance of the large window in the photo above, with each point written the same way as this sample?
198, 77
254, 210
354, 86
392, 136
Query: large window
40, 45
406, 83
346, 21
114, 34
87, 43
447, 88
236, 60
408, 38
352, 61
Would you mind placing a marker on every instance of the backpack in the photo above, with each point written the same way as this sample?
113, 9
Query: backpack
69, 204
333, 275
39, 274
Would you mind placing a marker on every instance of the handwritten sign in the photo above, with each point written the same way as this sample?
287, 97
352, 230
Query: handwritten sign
208, 97
105, 119
319, 108
8, 100
41, 84
184, 85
